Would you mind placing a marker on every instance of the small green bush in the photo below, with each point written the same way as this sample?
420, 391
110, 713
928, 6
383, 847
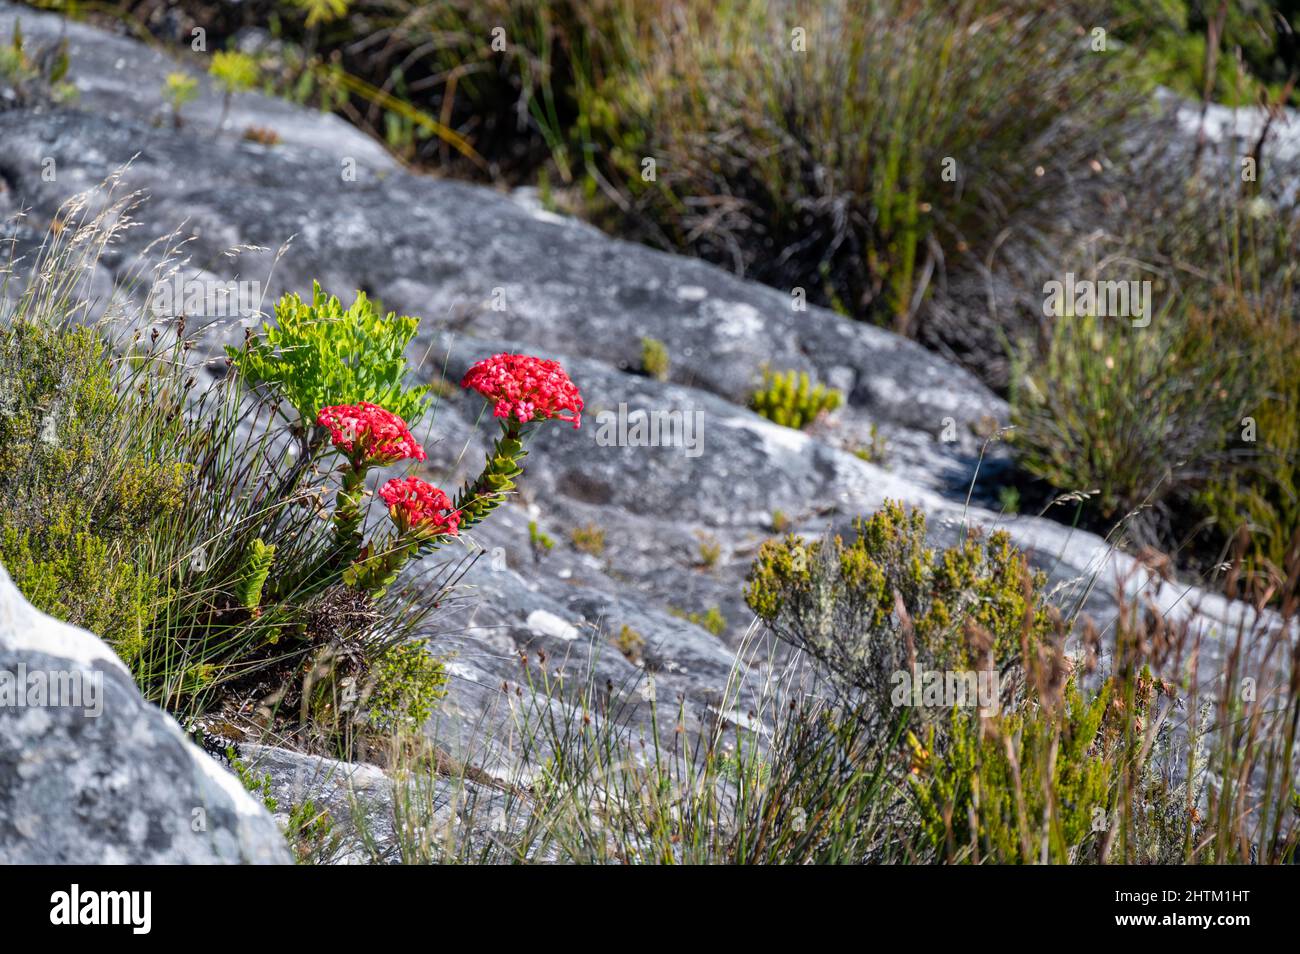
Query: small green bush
630, 643
980, 773
35, 75
1186, 429
233, 71
540, 541
408, 682
319, 355
792, 400
711, 620
1138, 414
868, 608
75, 507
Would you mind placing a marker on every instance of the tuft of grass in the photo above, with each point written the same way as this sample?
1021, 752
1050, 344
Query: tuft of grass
1185, 428
710, 550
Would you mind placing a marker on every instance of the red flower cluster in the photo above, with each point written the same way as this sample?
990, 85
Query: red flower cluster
368, 434
417, 505
526, 387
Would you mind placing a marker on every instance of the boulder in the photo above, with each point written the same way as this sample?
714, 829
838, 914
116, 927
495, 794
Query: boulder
91, 773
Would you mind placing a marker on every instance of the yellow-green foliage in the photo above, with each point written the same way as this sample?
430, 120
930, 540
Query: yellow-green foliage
837, 600
74, 506
710, 550
654, 358
408, 681
873, 452
322, 11
630, 643
233, 71
792, 400
994, 775
82, 578
1262, 493
711, 620
45, 69
588, 539
540, 541
318, 354
253, 573
179, 89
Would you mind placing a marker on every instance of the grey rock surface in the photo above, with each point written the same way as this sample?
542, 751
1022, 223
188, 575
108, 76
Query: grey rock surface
90, 773
489, 272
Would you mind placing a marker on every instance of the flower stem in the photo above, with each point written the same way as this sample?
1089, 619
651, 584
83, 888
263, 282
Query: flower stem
347, 513
481, 496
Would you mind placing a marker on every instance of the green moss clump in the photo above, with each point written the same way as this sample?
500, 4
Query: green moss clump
791, 399
654, 359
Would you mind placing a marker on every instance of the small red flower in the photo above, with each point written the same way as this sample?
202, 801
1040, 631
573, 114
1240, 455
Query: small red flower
417, 505
526, 388
369, 435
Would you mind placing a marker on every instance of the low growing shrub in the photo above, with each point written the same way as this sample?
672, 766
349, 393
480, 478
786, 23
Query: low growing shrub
885, 602
791, 399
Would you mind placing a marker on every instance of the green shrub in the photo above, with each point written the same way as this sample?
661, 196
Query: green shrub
886, 603
233, 71
982, 792
872, 452
39, 74
1256, 487
710, 551
1136, 414
320, 355
1151, 422
792, 400
408, 682
538, 540
76, 506
711, 620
